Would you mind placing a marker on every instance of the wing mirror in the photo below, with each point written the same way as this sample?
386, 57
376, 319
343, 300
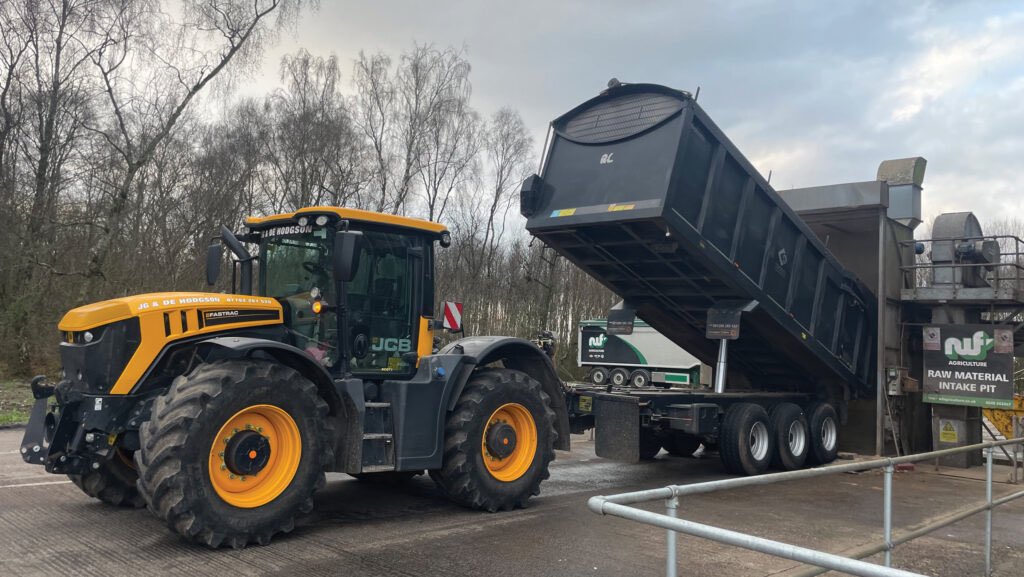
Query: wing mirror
347, 245
213, 258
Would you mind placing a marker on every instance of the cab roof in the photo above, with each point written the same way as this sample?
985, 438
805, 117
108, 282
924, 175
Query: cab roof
353, 214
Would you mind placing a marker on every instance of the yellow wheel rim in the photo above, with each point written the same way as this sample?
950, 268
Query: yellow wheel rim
272, 427
512, 426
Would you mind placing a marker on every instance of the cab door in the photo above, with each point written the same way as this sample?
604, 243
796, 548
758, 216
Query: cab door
385, 304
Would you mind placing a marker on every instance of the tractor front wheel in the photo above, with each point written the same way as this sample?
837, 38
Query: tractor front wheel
234, 452
499, 440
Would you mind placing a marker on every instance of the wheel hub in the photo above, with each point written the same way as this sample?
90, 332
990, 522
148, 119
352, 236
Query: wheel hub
501, 440
247, 453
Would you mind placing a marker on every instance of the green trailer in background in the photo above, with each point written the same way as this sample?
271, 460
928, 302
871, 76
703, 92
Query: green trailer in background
643, 358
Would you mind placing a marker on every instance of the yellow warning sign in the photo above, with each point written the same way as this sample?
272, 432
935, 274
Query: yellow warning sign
947, 434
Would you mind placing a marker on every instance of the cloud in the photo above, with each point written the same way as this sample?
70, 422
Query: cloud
815, 93
950, 61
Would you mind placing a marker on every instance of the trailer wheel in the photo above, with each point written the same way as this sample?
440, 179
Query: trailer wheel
746, 444
234, 452
619, 377
681, 444
791, 437
499, 440
640, 378
824, 426
113, 483
598, 376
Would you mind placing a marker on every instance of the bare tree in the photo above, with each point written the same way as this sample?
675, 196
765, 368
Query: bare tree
312, 149
396, 108
147, 49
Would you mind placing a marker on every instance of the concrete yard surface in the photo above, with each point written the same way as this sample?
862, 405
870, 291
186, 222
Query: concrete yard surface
48, 527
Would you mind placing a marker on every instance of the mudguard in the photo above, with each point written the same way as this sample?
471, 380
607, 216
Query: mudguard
287, 355
520, 355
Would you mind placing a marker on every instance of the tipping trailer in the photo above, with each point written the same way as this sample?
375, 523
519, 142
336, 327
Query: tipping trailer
642, 190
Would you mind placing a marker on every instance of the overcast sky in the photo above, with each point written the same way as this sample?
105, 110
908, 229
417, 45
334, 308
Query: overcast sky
816, 92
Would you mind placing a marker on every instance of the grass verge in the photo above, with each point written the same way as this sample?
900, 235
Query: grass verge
15, 402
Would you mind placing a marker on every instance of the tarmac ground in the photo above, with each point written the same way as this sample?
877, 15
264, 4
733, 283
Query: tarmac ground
48, 527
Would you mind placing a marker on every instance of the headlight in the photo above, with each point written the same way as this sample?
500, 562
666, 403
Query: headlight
321, 220
87, 337
303, 221
446, 239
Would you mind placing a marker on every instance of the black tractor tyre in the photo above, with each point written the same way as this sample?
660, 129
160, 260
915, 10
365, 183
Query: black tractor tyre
824, 433
792, 437
464, 476
746, 444
178, 440
113, 482
650, 444
619, 377
640, 378
598, 376
681, 445
390, 478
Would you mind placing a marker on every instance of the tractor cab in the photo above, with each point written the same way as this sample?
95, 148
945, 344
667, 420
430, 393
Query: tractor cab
356, 287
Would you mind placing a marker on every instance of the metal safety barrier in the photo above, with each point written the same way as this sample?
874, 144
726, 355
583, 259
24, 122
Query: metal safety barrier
620, 506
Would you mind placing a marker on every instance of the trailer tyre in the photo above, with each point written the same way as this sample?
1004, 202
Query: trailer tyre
598, 376
234, 451
791, 437
746, 444
640, 378
824, 427
498, 442
619, 377
113, 483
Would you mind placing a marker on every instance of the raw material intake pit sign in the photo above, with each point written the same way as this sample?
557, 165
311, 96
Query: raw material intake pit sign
970, 365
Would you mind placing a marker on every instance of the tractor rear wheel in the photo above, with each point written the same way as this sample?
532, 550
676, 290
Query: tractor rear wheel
113, 482
234, 451
498, 441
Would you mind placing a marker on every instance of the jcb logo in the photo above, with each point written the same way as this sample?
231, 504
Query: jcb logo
607, 158
392, 345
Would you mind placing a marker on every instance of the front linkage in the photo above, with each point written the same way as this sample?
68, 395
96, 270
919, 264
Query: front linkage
73, 432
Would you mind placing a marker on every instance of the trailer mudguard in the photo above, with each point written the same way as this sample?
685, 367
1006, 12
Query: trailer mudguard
517, 354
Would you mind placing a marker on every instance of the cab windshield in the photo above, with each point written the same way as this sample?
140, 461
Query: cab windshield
291, 266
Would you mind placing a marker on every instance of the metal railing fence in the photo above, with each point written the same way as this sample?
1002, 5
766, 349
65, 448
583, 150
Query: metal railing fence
620, 506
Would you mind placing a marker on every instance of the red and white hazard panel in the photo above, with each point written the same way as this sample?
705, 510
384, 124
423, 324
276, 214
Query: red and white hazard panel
453, 316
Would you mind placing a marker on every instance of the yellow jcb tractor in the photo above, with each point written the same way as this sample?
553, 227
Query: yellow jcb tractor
222, 412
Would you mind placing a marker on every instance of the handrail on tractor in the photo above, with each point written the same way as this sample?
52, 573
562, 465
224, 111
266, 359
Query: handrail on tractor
620, 506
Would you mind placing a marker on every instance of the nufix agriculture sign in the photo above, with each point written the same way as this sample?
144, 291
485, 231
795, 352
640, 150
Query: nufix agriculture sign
969, 365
